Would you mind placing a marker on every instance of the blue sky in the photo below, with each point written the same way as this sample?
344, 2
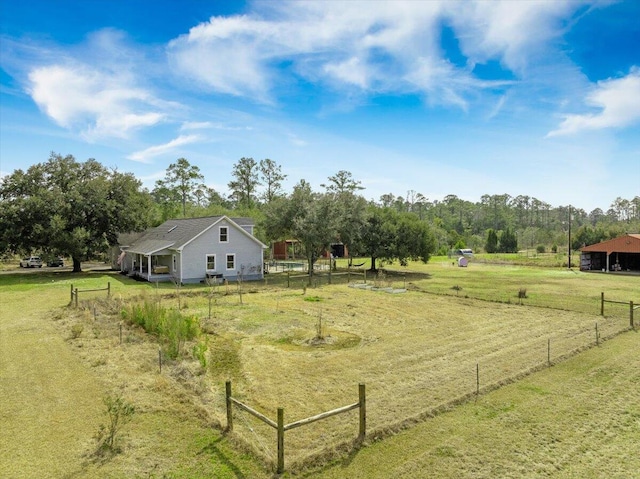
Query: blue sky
465, 98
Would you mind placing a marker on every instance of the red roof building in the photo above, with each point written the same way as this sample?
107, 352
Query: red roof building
618, 254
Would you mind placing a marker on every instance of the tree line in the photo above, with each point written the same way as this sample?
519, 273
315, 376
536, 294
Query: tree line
73, 208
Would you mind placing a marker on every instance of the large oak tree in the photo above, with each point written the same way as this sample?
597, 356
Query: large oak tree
68, 207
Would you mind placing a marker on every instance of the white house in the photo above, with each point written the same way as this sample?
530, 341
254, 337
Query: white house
191, 249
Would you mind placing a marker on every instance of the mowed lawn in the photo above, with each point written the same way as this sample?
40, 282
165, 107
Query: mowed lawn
579, 419
416, 352
51, 399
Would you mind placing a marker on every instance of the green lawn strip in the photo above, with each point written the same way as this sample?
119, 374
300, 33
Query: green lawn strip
551, 288
578, 419
51, 401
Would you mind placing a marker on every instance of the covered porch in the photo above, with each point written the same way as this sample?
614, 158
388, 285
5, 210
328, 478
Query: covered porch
160, 269
152, 261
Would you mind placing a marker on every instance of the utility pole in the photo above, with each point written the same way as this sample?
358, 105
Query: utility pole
569, 262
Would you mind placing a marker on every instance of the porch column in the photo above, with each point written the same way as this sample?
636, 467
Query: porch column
607, 261
140, 264
149, 268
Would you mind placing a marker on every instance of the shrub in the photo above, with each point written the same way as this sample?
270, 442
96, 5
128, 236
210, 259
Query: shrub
76, 330
540, 248
199, 352
119, 413
175, 329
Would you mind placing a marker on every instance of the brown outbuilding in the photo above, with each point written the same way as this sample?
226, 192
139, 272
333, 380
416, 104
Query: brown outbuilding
618, 254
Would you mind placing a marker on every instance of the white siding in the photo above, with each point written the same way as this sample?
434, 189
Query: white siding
247, 251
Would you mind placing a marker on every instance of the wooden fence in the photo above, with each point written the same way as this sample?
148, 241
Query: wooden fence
76, 291
329, 274
630, 303
281, 427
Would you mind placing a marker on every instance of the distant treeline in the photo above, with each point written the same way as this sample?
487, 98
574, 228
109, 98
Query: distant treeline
78, 209
455, 222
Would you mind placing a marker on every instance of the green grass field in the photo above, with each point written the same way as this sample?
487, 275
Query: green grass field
416, 351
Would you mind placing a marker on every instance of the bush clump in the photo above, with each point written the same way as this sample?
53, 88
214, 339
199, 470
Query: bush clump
171, 327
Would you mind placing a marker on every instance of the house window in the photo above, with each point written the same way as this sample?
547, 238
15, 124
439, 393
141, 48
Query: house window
175, 263
224, 234
231, 261
211, 262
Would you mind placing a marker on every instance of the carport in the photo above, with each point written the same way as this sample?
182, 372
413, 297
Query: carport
618, 254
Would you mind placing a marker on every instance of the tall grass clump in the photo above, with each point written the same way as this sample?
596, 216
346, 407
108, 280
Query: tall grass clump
171, 327
176, 329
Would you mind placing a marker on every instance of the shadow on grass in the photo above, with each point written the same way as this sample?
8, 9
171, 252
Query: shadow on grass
34, 278
212, 449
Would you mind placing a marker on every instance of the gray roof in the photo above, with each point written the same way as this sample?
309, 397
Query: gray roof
174, 234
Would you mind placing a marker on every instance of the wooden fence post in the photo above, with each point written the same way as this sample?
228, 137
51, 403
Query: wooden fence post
76, 293
288, 279
280, 468
227, 386
597, 336
362, 399
109, 289
71, 297
602, 304
365, 276
631, 314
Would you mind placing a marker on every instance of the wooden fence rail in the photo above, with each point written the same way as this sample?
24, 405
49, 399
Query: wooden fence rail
630, 303
329, 274
74, 292
281, 427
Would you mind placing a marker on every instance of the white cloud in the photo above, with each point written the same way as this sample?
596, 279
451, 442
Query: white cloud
96, 104
95, 88
297, 141
371, 46
145, 156
618, 101
196, 125
506, 30
208, 125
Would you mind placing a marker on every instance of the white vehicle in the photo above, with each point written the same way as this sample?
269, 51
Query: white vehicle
31, 262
